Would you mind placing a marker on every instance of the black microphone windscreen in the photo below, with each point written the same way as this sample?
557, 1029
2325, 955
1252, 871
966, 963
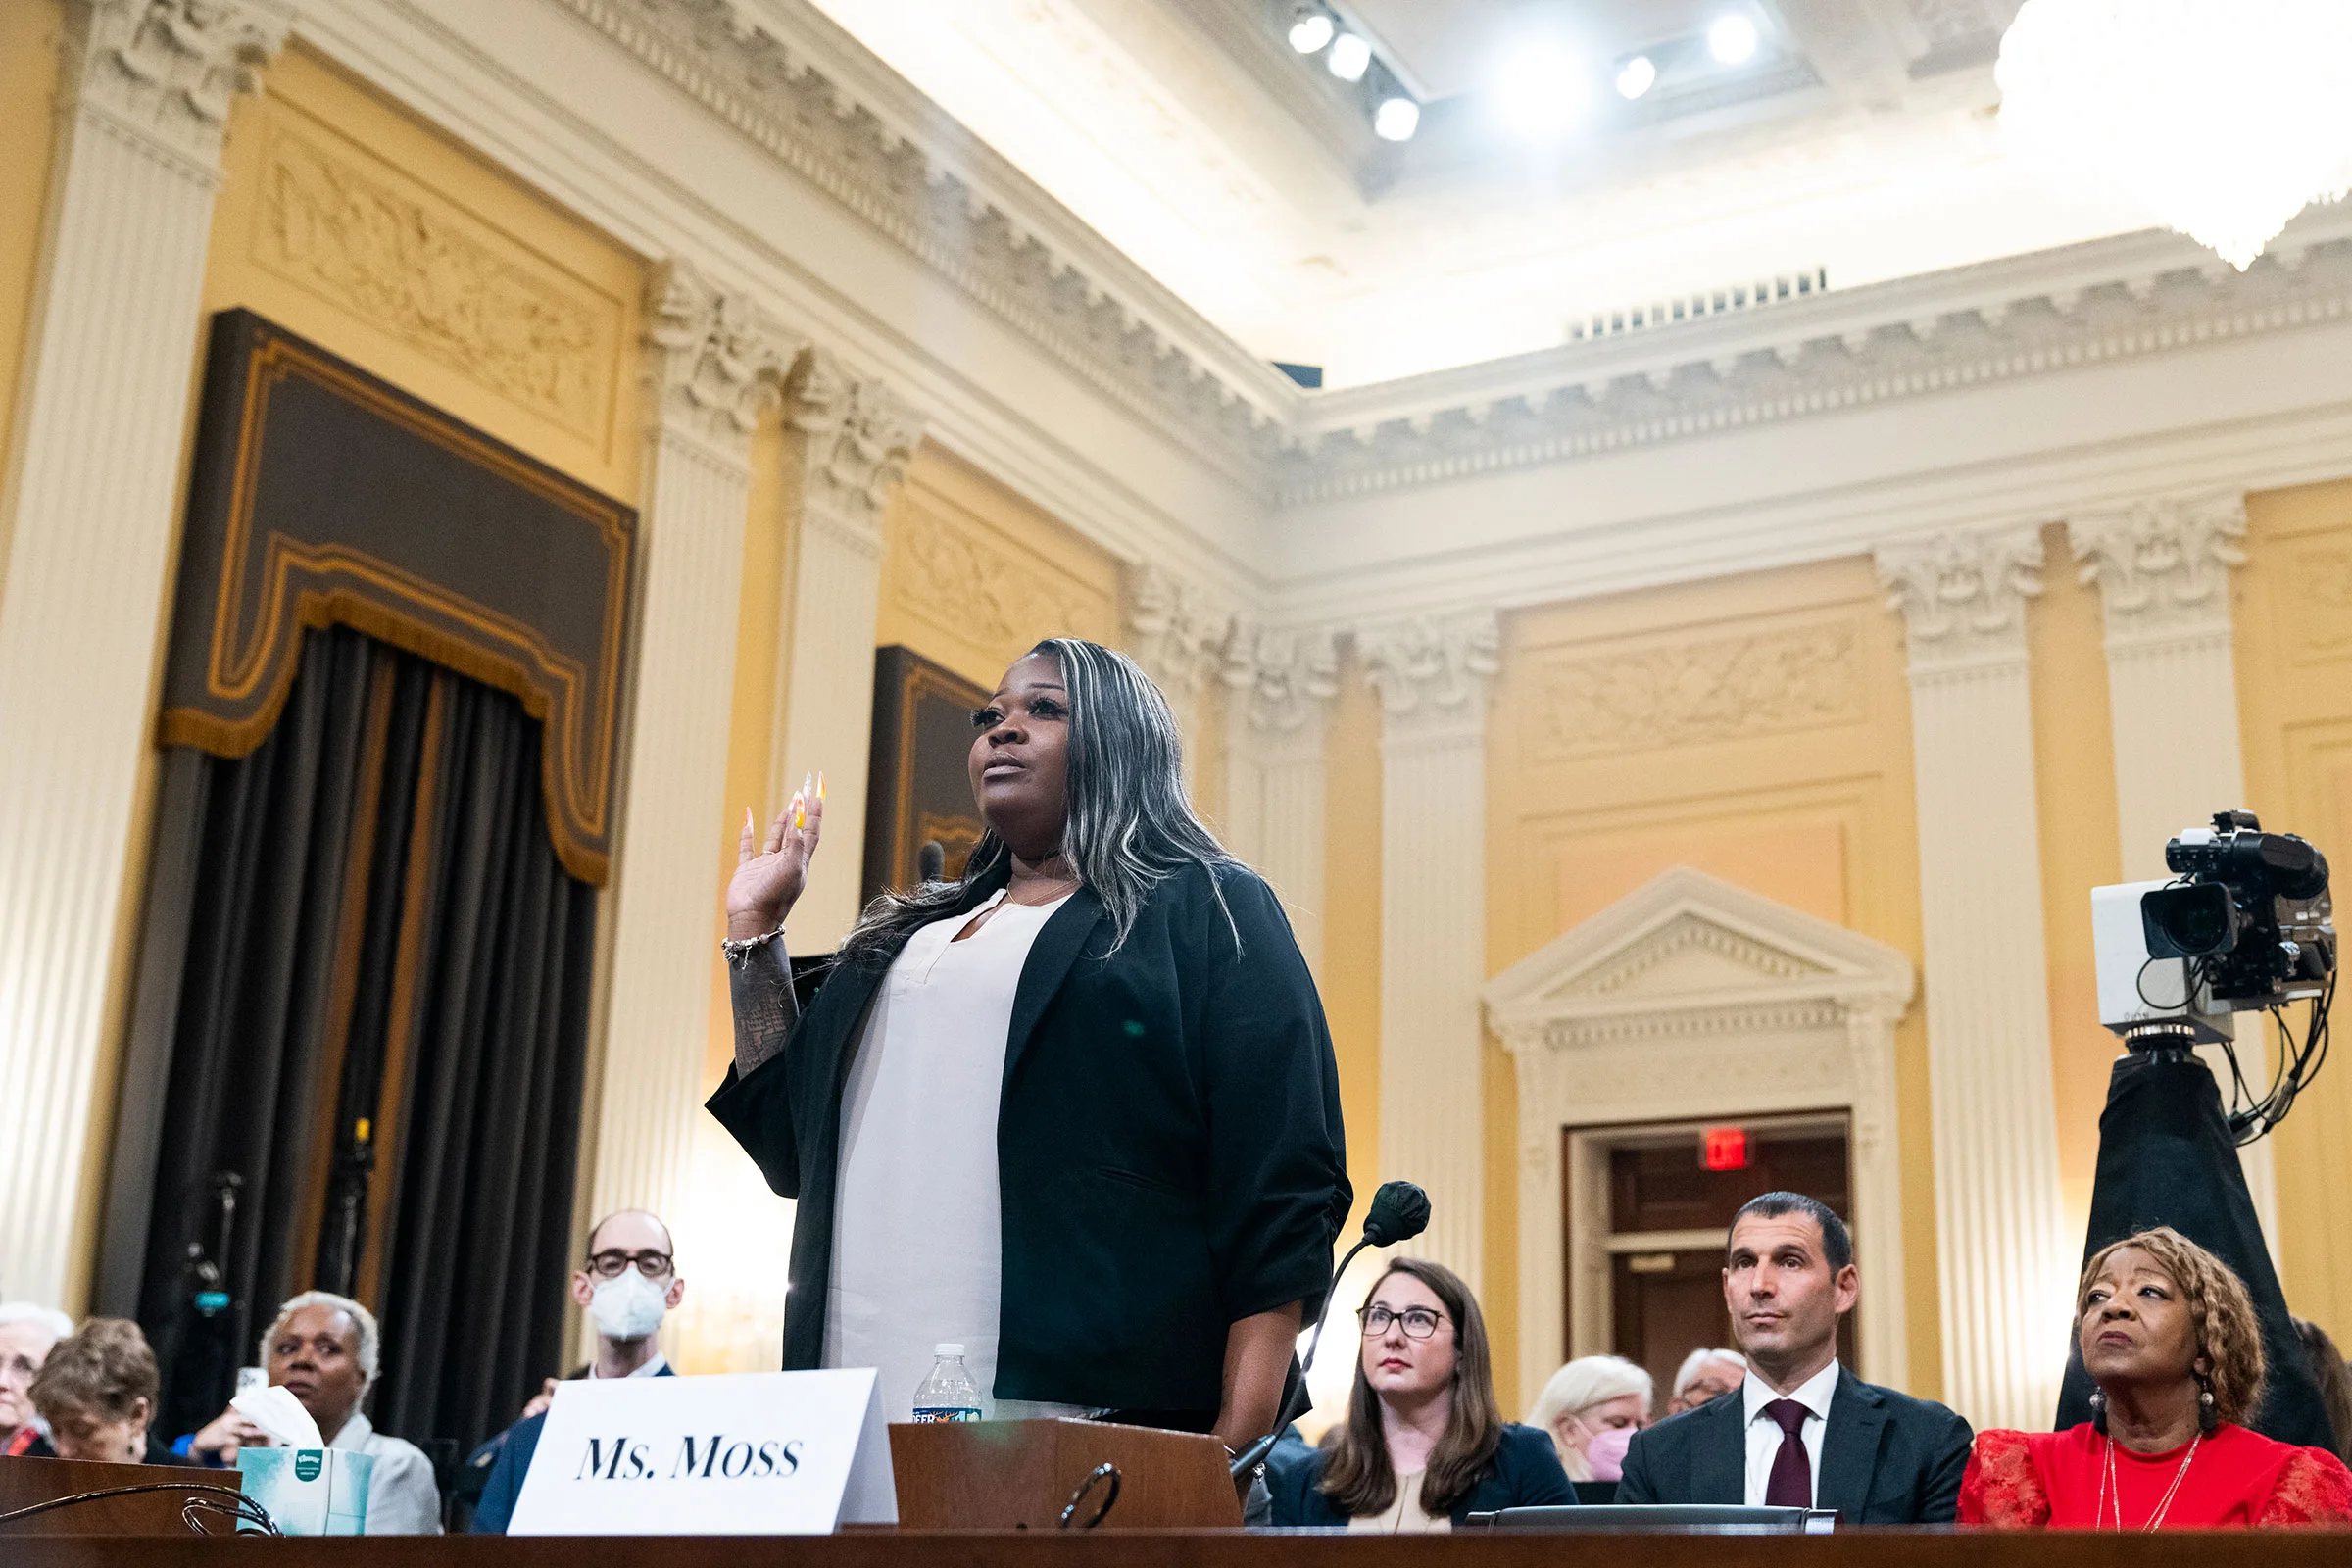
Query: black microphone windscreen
1399, 1212
931, 862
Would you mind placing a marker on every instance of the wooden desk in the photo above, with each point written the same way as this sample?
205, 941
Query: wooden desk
26, 1481
1874, 1549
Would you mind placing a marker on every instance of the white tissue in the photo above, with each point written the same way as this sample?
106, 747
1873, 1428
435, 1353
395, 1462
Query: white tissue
277, 1412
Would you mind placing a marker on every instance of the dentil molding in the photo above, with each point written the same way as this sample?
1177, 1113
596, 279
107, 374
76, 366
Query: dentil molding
2163, 563
861, 435
1433, 674
717, 361
164, 71
1963, 594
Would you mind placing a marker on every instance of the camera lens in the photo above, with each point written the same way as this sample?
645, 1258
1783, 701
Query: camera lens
2190, 922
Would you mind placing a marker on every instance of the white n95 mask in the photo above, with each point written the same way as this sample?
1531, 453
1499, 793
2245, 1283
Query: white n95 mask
628, 1307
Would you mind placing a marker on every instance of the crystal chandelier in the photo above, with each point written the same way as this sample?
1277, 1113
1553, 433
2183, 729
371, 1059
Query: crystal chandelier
2223, 117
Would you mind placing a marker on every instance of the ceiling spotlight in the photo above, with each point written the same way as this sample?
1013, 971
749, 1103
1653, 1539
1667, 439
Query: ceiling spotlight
1396, 118
1538, 91
1636, 77
1732, 39
1349, 56
1312, 30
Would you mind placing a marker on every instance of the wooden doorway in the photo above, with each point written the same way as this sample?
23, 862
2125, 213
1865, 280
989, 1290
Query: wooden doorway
1649, 1251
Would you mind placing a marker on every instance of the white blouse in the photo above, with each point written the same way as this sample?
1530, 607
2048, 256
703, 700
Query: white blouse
917, 1234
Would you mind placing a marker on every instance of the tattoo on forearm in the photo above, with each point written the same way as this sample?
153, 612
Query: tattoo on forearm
764, 1006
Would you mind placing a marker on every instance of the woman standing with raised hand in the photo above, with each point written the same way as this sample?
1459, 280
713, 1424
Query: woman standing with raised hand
1076, 1112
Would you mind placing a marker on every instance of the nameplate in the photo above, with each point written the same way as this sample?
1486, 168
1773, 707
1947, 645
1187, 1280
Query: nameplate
748, 1454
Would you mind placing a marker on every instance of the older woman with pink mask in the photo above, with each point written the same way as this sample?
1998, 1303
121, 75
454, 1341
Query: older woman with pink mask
1593, 1406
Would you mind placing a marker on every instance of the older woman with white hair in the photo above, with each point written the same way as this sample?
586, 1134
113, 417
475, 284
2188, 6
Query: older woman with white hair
27, 1334
323, 1350
1593, 1406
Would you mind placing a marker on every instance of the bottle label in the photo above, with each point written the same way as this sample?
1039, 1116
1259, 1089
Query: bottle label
946, 1412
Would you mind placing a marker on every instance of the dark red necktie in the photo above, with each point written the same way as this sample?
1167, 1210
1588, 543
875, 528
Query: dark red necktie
1790, 1484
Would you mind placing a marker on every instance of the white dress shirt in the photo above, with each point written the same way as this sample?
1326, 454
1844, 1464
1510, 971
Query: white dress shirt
1764, 1432
402, 1499
917, 1231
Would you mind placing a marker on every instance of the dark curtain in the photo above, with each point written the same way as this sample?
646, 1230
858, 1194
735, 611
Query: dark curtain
383, 958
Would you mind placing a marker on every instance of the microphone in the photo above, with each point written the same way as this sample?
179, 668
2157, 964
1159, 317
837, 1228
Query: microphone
931, 862
1399, 1212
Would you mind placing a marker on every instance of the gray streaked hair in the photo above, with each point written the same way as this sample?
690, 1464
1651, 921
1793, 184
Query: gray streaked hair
1129, 824
371, 1341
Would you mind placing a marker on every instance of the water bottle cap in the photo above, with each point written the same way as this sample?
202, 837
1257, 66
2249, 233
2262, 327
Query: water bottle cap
946, 1348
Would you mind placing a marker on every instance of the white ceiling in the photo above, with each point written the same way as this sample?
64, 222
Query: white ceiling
1864, 143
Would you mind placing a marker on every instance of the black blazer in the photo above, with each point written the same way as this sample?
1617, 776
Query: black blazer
1525, 1473
1886, 1457
1168, 1144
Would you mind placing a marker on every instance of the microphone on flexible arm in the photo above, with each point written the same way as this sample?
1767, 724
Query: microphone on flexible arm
1399, 1212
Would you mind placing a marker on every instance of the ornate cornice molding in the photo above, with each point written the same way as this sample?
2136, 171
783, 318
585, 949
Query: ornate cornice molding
861, 437
1963, 596
1107, 329
1179, 631
2161, 564
1433, 674
1284, 678
164, 71
1913, 338
715, 361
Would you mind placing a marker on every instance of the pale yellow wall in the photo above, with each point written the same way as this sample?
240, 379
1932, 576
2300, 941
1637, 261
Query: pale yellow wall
2292, 605
1349, 974
30, 33
1755, 727
2073, 778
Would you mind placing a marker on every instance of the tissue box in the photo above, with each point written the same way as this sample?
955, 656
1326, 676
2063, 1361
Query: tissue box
309, 1491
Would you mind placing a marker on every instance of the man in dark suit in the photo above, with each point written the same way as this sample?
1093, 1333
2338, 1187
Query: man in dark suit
628, 1284
1801, 1431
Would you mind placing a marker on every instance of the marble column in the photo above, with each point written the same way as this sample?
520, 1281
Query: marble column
713, 363
1282, 684
2162, 564
857, 438
102, 415
1433, 676
2004, 1270
1179, 633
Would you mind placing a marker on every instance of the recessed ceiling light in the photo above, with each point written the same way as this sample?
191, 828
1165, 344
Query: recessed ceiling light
1395, 120
1539, 88
1312, 30
1636, 77
1350, 57
1732, 39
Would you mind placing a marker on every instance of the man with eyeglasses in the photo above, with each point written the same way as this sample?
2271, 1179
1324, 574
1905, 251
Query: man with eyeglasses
628, 1284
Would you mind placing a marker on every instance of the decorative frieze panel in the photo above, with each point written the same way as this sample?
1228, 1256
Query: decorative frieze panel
403, 260
1719, 689
960, 577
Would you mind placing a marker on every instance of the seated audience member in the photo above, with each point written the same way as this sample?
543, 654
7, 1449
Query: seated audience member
628, 1284
97, 1393
2328, 1370
323, 1350
27, 1334
1593, 1406
2169, 1335
1804, 1432
1424, 1444
1705, 1374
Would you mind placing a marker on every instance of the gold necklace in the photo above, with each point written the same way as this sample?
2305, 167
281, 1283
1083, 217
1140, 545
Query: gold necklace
2108, 1483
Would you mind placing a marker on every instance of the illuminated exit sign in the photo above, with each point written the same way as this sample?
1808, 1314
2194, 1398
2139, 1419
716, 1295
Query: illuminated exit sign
1723, 1149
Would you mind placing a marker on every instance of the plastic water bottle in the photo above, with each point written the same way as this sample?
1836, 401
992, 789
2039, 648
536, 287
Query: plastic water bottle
948, 1393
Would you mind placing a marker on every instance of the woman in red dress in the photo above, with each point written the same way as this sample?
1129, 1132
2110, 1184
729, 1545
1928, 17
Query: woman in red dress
2169, 1335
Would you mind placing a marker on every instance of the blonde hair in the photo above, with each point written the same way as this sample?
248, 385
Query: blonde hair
2229, 1336
1576, 1388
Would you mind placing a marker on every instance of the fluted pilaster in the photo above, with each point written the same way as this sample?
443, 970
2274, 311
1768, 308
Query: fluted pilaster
2004, 1270
146, 94
1283, 682
1179, 632
1433, 677
2163, 565
859, 436
712, 363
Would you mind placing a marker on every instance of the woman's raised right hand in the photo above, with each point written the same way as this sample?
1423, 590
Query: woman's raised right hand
770, 873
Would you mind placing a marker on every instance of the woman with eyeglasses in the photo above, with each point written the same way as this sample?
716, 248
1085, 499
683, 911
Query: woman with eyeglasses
1074, 1109
1424, 1445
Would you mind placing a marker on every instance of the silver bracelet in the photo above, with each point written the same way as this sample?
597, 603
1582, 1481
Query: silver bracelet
735, 949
